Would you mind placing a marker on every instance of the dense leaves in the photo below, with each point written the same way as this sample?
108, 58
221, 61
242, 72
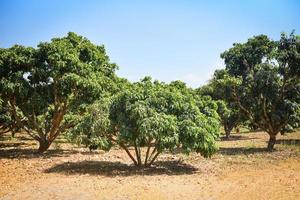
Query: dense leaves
220, 90
155, 115
45, 88
268, 90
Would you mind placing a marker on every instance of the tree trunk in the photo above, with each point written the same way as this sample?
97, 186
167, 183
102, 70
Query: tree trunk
227, 133
13, 133
148, 151
128, 153
227, 130
271, 142
44, 145
237, 129
153, 159
138, 154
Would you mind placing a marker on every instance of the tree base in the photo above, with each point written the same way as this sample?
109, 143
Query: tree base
271, 143
43, 146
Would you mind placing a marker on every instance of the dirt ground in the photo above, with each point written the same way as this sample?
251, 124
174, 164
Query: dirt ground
241, 170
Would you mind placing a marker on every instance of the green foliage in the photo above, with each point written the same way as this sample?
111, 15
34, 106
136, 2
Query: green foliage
220, 90
153, 114
91, 129
268, 92
47, 88
14, 63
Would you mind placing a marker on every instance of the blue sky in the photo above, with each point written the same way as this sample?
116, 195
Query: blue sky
168, 40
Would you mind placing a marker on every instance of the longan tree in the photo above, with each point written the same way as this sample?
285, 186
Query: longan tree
264, 76
220, 91
153, 115
46, 88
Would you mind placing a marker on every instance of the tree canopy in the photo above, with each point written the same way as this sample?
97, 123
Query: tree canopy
220, 91
44, 88
155, 115
264, 77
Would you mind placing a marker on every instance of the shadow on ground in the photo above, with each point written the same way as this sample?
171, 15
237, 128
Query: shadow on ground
32, 153
295, 142
237, 137
241, 150
107, 168
17, 148
12, 144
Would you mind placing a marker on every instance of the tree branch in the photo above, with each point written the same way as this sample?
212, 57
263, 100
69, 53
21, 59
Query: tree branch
148, 151
128, 153
138, 153
242, 108
265, 114
153, 159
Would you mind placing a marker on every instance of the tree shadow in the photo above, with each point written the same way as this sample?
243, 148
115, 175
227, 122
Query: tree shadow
236, 138
295, 142
24, 138
241, 150
112, 169
4, 137
12, 144
32, 153
93, 152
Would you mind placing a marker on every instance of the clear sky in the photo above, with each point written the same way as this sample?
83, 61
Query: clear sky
168, 40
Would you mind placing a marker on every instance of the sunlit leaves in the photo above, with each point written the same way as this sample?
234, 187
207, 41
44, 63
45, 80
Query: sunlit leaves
57, 79
166, 115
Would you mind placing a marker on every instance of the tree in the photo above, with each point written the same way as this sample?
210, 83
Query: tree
220, 91
155, 115
265, 82
47, 88
229, 115
14, 63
